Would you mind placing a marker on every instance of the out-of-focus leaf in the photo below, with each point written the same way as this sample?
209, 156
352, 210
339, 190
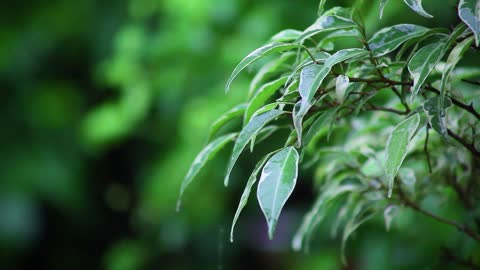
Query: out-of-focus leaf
286, 35
222, 120
452, 60
316, 214
262, 95
257, 54
319, 123
341, 85
277, 182
397, 146
250, 130
388, 214
416, 5
422, 63
205, 155
383, 3
388, 39
246, 192
469, 12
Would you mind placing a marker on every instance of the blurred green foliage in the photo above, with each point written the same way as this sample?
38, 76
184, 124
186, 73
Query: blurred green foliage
103, 106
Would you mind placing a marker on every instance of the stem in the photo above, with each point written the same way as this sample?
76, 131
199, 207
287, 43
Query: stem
416, 207
309, 54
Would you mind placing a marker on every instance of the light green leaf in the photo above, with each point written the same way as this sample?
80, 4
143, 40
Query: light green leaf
321, 5
320, 123
262, 95
286, 35
452, 60
341, 85
416, 5
331, 20
246, 192
270, 70
397, 146
388, 39
205, 155
277, 182
383, 3
388, 214
257, 54
249, 131
225, 118
422, 63
469, 12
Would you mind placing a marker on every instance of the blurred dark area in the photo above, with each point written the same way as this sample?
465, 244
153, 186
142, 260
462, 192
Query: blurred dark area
103, 106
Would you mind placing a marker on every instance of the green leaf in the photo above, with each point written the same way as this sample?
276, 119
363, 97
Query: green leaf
262, 95
286, 35
416, 5
388, 214
422, 63
270, 70
249, 131
277, 182
316, 214
431, 106
452, 60
320, 123
311, 78
321, 5
341, 85
225, 118
469, 12
383, 3
388, 39
246, 192
257, 54
397, 146
263, 134
205, 155
331, 20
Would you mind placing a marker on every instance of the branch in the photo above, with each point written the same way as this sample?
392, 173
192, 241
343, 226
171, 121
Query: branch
450, 257
416, 207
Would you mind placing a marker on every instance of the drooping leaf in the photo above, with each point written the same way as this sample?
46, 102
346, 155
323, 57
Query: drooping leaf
437, 121
452, 60
263, 134
225, 118
383, 3
341, 85
320, 122
205, 155
415, 42
397, 146
469, 12
257, 54
318, 211
246, 192
269, 71
416, 5
388, 39
250, 130
422, 63
277, 182
262, 95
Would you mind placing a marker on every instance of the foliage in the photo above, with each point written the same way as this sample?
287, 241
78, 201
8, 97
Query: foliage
386, 123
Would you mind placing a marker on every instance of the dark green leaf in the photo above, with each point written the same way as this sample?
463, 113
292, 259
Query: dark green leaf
222, 120
205, 155
277, 182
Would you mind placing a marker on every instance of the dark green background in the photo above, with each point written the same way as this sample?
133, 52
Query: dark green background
104, 104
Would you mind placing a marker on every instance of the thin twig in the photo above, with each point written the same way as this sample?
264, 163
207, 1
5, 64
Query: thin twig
425, 149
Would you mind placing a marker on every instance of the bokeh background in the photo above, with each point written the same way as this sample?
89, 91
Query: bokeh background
103, 106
